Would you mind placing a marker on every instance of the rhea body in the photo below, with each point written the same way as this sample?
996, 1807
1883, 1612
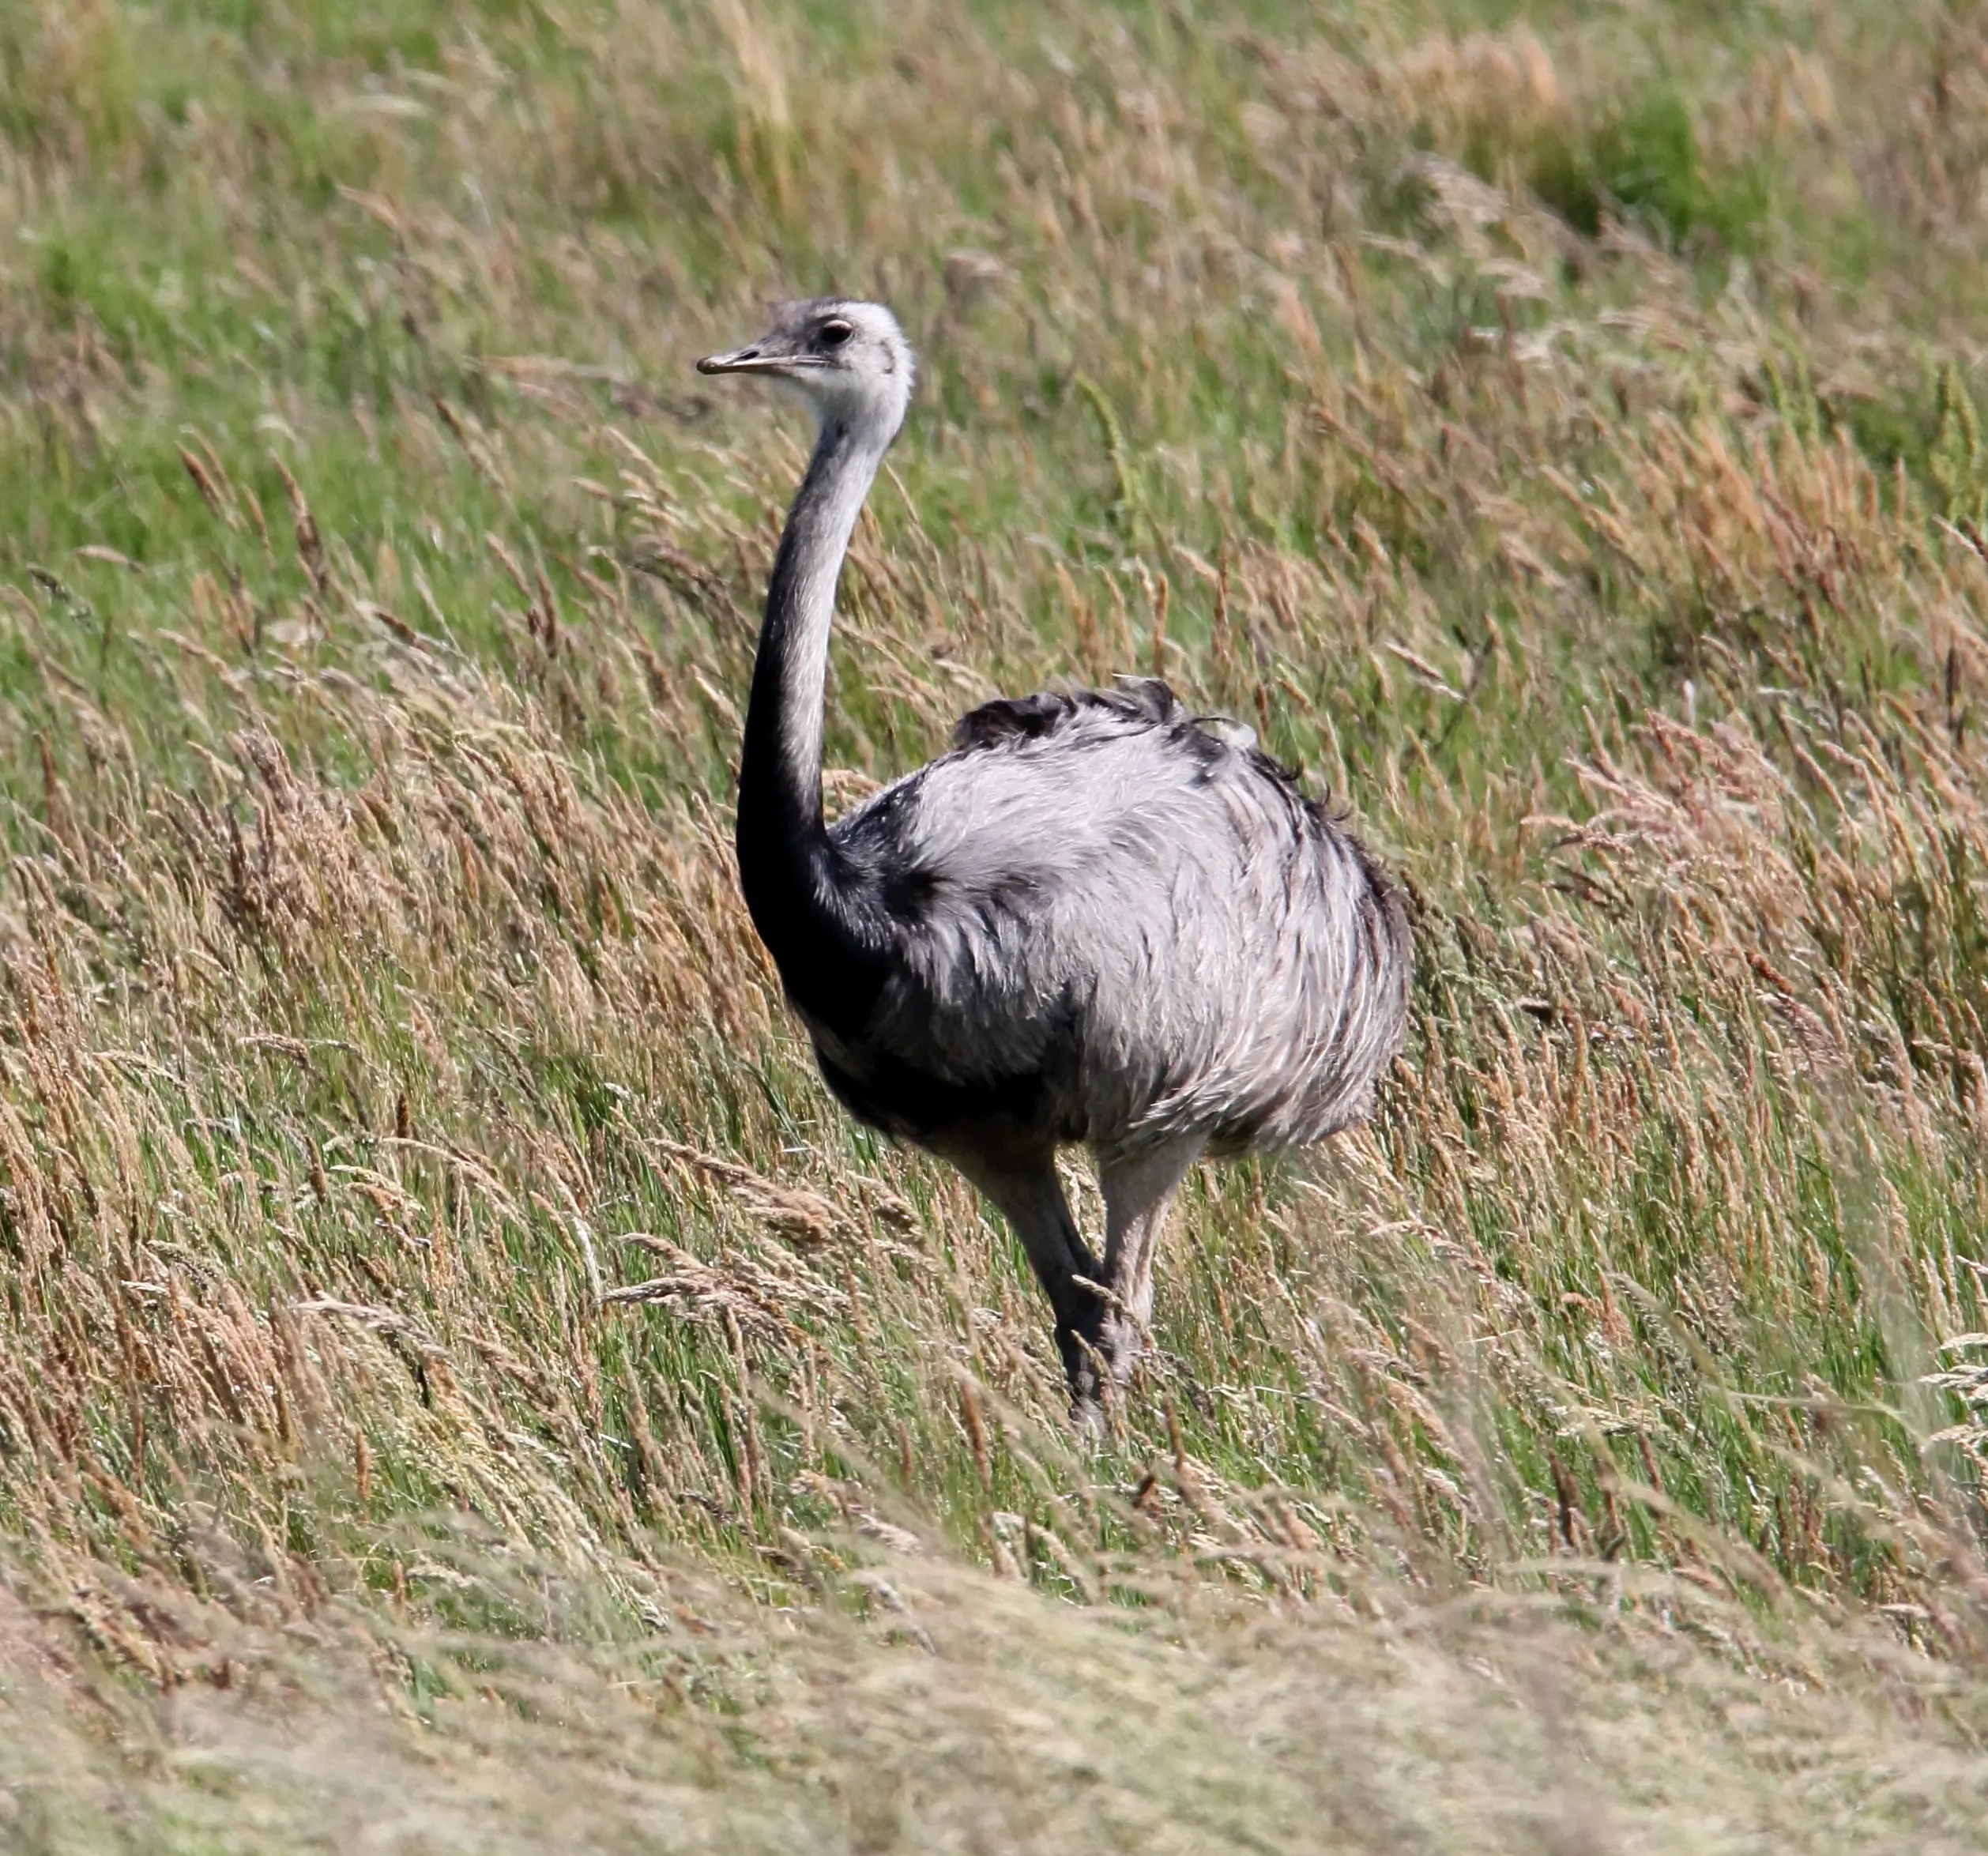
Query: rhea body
1098, 919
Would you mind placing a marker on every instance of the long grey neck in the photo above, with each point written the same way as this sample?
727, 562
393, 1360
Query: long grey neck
793, 883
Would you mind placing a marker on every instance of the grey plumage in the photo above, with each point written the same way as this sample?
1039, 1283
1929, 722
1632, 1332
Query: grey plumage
1097, 920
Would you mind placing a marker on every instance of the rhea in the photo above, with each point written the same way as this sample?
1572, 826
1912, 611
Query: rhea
1098, 919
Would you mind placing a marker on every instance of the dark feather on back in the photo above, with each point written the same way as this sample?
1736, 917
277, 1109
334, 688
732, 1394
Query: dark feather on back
1028, 718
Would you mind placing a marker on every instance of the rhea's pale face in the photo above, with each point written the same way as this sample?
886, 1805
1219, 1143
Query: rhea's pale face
849, 361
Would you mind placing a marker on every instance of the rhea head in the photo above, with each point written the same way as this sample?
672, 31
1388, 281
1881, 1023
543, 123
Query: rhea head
849, 361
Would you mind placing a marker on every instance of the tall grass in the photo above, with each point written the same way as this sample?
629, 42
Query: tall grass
464, 1385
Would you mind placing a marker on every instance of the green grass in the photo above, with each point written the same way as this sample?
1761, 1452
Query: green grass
1558, 434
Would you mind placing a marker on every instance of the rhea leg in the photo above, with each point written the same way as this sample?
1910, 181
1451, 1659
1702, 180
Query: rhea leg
1139, 1190
1020, 1180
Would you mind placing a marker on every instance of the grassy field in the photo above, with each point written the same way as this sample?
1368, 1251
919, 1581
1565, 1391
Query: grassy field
463, 1384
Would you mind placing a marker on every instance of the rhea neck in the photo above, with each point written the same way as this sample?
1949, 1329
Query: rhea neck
805, 902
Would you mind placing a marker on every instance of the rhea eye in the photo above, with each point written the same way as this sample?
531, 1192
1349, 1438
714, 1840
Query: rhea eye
834, 334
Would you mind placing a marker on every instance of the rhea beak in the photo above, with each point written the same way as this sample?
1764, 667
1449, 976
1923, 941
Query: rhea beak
755, 359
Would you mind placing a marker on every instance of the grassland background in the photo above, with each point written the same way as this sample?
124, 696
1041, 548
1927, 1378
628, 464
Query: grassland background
463, 1386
